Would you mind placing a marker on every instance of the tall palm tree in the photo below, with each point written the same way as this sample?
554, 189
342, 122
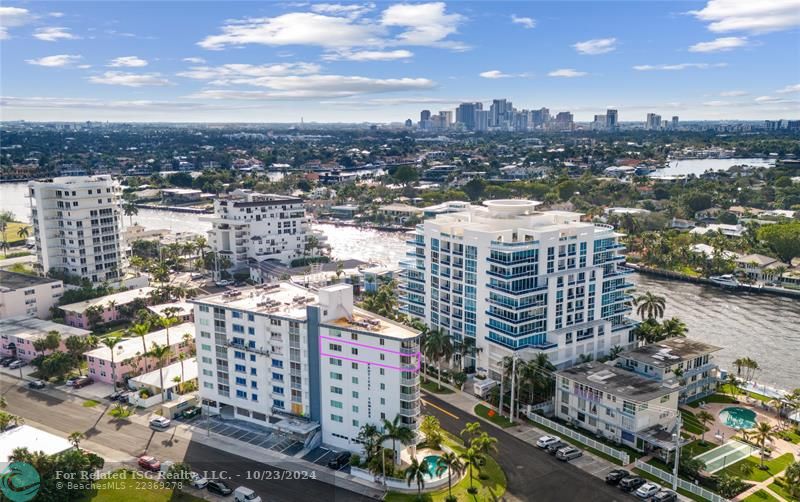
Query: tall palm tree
449, 461
673, 328
704, 417
485, 444
24, 232
416, 472
396, 431
471, 459
112, 342
181, 358
764, 432
471, 430
141, 330
130, 209
431, 345
75, 438
168, 320
792, 479
188, 340
161, 353
650, 306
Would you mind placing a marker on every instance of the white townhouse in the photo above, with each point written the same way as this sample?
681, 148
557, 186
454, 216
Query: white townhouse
516, 281
278, 351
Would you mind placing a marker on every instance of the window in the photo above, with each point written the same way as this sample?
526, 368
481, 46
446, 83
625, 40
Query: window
276, 363
355, 409
253, 384
254, 397
336, 376
205, 347
241, 381
354, 380
277, 390
241, 394
355, 394
241, 368
336, 390
277, 377
278, 404
337, 418
236, 315
336, 404
383, 400
355, 423
251, 317
334, 362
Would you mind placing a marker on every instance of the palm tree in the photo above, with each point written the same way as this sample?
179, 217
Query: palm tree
650, 306
485, 443
416, 472
181, 357
188, 341
432, 345
740, 363
110, 306
24, 232
75, 438
704, 417
764, 432
471, 459
3, 403
370, 437
112, 342
792, 479
449, 461
160, 353
615, 351
673, 328
396, 431
130, 209
6, 217
168, 320
471, 430
141, 330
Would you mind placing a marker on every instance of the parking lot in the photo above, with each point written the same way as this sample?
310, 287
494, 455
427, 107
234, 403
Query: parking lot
250, 433
587, 463
321, 456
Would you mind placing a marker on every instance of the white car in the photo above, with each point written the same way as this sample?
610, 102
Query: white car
245, 494
545, 441
224, 283
197, 480
159, 422
647, 490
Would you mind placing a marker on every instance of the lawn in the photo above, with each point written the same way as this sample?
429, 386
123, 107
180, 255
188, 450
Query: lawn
122, 488
14, 254
774, 466
713, 398
491, 488
90, 403
790, 435
691, 423
432, 387
779, 486
726, 389
760, 495
11, 233
696, 448
492, 416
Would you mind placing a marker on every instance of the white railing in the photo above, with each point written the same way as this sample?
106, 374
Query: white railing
682, 483
620, 455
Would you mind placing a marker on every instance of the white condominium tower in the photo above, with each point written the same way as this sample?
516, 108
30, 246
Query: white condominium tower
253, 226
274, 351
515, 281
77, 225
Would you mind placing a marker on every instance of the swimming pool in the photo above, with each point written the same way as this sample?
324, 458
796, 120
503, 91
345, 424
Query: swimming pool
433, 461
738, 418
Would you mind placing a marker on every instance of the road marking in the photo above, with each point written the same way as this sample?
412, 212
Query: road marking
440, 409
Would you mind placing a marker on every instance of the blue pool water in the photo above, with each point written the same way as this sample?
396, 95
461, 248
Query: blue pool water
738, 418
432, 461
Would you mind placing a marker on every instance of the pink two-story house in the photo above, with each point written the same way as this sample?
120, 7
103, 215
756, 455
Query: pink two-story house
75, 313
17, 335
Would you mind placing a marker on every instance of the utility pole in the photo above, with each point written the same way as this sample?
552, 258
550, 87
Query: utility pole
677, 453
502, 385
513, 385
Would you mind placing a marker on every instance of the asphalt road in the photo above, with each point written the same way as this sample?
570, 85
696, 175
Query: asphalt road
135, 439
532, 474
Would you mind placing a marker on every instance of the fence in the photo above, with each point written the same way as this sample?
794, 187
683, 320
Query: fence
591, 443
682, 483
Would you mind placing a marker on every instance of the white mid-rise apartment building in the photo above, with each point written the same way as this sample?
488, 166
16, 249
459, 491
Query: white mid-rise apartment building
27, 295
513, 281
77, 226
253, 226
275, 351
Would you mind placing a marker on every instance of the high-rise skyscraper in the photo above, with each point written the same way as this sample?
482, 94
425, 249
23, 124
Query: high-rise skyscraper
611, 120
564, 121
424, 115
77, 224
445, 118
508, 280
675, 123
465, 114
653, 122
541, 118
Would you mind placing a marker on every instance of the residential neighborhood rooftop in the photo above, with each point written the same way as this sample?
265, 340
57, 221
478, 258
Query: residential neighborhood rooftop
10, 281
131, 347
367, 322
121, 298
31, 328
283, 299
617, 381
26, 436
671, 351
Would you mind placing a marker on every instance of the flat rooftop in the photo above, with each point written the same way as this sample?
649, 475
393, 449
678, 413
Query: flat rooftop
617, 381
31, 328
282, 299
26, 436
671, 351
131, 347
121, 298
367, 322
10, 281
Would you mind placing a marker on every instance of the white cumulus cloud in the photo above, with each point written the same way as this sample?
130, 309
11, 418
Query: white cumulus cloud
719, 44
596, 46
222, 74
12, 17
492, 74
57, 61
717, 103
526, 22
127, 62
194, 60
733, 94
368, 55
54, 34
567, 73
130, 79
754, 16
425, 24
789, 88
678, 67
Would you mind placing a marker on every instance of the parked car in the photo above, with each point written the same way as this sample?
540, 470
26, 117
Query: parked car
568, 453
4, 362
553, 448
197, 480
631, 483
149, 463
17, 364
647, 490
159, 423
245, 494
37, 384
224, 282
71, 381
545, 441
191, 412
218, 487
340, 460
82, 382
665, 496
617, 475
195, 276
116, 395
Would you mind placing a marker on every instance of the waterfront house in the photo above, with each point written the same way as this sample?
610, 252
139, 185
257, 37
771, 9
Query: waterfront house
688, 362
760, 268
399, 213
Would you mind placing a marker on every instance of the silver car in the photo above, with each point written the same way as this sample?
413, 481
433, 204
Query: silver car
568, 453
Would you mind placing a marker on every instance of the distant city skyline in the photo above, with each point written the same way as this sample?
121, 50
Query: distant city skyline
365, 62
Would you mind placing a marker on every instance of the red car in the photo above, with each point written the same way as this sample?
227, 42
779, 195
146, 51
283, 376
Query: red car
149, 463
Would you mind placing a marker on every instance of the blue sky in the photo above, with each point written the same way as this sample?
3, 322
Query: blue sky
331, 62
